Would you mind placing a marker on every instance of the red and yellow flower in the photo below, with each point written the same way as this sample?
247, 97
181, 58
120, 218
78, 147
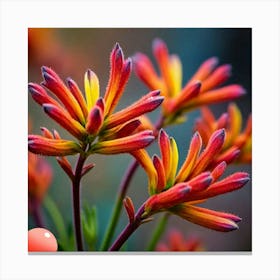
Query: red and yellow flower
91, 119
202, 89
238, 144
196, 181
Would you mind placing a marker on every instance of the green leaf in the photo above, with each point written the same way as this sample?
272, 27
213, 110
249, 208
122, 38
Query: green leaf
90, 227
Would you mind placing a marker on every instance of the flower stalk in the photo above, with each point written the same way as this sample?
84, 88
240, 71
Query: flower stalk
76, 196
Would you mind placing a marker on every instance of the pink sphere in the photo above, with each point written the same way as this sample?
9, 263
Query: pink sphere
41, 240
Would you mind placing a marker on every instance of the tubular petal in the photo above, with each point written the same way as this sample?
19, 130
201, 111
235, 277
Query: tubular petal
95, 121
40, 95
145, 161
213, 147
204, 130
51, 147
208, 116
222, 122
190, 91
123, 130
235, 122
228, 156
205, 69
165, 150
175, 71
91, 88
160, 174
78, 95
161, 54
144, 105
219, 76
226, 93
124, 145
116, 61
65, 120
206, 218
191, 158
126, 70
229, 184
174, 162
201, 182
218, 171
145, 71
167, 199
53, 82
46, 133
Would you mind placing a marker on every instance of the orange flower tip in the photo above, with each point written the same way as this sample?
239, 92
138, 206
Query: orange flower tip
225, 70
218, 136
127, 66
162, 134
219, 170
201, 181
46, 133
243, 181
229, 226
158, 44
236, 218
34, 88
48, 75
117, 55
211, 63
237, 90
95, 119
56, 134
154, 93
138, 57
128, 128
100, 103
37, 92
117, 46
48, 107
185, 190
235, 154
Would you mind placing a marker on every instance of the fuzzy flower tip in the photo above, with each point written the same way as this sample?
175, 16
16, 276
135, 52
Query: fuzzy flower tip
196, 181
205, 86
238, 143
89, 117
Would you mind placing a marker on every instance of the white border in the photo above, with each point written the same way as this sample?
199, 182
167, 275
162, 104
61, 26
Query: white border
262, 16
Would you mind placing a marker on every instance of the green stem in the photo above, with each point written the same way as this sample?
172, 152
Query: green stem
122, 192
57, 218
158, 232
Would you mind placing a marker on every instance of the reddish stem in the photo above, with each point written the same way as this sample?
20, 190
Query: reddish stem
76, 192
128, 230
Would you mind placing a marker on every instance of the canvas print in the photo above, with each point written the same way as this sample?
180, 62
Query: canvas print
140, 140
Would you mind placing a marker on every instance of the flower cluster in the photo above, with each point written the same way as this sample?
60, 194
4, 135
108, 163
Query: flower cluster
179, 192
96, 128
202, 89
177, 242
238, 144
39, 177
90, 119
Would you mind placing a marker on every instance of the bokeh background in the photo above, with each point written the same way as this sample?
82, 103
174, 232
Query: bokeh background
71, 51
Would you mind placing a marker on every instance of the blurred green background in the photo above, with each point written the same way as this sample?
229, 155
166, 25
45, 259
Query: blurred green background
71, 51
